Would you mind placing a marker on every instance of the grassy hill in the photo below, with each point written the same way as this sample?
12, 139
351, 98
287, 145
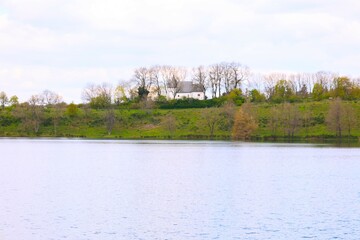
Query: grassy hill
177, 123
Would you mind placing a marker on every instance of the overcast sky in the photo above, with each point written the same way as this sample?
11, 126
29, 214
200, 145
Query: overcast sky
62, 45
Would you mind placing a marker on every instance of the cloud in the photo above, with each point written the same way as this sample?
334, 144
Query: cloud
68, 82
88, 40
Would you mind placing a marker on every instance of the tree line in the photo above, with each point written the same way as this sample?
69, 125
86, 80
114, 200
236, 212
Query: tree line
225, 83
219, 80
225, 79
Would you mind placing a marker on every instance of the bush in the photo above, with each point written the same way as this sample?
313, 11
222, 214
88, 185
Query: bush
190, 103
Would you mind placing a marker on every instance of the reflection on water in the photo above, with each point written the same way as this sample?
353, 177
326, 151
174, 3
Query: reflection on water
75, 189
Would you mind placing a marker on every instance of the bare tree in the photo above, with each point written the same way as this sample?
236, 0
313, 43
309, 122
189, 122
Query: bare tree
226, 76
240, 74
51, 98
325, 79
349, 118
31, 113
155, 74
98, 96
334, 119
36, 103
212, 118
89, 93
256, 82
270, 81
54, 101
176, 77
274, 120
143, 77
200, 77
290, 119
110, 120
306, 119
169, 125
309, 80
215, 79
167, 75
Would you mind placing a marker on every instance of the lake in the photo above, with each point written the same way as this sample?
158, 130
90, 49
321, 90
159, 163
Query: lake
93, 189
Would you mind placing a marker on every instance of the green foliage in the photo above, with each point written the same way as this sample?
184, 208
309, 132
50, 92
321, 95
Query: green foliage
72, 110
256, 96
14, 100
283, 92
191, 103
342, 88
6, 119
235, 96
100, 102
319, 92
143, 92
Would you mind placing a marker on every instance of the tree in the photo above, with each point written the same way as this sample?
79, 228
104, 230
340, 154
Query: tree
240, 73
155, 72
178, 75
244, 125
98, 96
14, 100
143, 93
274, 120
166, 72
318, 92
54, 102
51, 98
290, 119
143, 77
72, 110
3, 100
282, 91
227, 77
37, 111
215, 79
257, 96
227, 111
169, 124
306, 119
120, 94
349, 118
334, 119
324, 79
31, 113
341, 88
200, 76
212, 118
270, 81
110, 119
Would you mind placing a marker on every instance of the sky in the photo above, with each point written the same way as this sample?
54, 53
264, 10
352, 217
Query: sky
63, 45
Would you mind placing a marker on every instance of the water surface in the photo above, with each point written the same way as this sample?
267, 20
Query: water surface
87, 189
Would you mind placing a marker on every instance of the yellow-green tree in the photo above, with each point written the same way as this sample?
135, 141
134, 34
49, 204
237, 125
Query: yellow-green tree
244, 125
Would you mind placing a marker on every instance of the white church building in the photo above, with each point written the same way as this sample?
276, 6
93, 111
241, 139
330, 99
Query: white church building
186, 89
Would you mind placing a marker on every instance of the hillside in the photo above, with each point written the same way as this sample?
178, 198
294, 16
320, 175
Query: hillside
302, 121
